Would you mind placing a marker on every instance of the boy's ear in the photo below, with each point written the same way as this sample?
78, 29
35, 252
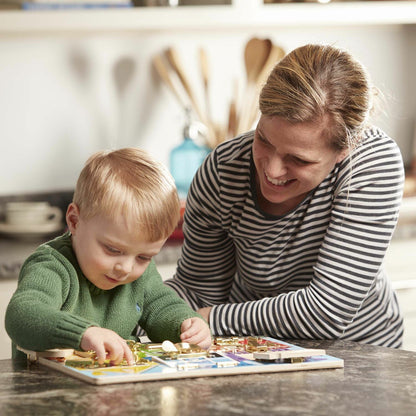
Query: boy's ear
72, 217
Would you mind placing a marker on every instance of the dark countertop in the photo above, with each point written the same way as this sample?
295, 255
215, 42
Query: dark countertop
375, 381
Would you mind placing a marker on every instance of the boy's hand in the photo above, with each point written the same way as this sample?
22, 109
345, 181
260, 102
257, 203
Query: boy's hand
204, 312
106, 344
196, 331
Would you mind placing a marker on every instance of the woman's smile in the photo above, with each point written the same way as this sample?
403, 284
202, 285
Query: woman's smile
278, 182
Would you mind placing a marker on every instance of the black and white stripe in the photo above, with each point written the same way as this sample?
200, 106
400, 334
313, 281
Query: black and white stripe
315, 272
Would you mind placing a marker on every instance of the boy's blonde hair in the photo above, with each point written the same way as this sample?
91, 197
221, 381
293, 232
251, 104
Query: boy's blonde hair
130, 183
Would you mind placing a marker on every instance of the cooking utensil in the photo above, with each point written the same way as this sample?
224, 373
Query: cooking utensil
203, 60
174, 60
232, 119
163, 70
232, 113
256, 54
275, 55
219, 132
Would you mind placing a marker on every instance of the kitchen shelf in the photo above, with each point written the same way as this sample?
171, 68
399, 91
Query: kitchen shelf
239, 15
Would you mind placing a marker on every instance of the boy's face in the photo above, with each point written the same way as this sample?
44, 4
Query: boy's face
108, 251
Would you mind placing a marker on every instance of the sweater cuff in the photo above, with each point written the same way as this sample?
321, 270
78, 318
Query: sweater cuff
70, 330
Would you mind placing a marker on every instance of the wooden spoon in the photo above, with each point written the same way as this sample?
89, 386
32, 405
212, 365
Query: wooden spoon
276, 54
256, 54
163, 70
232, 113
203, 60
174, 60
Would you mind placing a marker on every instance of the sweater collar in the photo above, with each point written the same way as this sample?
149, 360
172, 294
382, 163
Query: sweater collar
94, 290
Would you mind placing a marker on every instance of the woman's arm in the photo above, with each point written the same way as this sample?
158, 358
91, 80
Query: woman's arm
207, 264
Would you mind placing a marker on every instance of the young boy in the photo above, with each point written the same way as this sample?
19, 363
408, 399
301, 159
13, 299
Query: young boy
89, 288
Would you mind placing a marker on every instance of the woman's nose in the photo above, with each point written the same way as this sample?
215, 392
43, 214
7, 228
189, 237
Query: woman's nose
276, 166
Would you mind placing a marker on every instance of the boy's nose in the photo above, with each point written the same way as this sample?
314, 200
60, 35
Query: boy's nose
123, 268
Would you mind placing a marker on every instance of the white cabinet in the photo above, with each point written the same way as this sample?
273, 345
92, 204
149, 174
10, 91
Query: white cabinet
247, 14
7, 289
400, 263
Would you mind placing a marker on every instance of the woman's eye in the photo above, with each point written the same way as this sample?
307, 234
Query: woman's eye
300, 161
262, 139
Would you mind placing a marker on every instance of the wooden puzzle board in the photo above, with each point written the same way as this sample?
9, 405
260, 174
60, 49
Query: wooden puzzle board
220, 362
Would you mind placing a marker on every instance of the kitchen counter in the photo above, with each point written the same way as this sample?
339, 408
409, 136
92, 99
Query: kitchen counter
375, 381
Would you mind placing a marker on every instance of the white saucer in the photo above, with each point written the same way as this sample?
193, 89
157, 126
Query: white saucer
30, 231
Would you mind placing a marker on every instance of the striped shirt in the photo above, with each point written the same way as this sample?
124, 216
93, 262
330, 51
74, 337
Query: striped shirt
315, 272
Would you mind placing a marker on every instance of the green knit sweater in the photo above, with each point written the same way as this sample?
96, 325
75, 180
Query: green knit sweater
55, 303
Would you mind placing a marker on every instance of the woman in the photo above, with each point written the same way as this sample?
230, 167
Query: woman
286, 227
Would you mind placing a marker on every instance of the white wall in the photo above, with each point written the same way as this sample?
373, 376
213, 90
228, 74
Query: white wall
61, 98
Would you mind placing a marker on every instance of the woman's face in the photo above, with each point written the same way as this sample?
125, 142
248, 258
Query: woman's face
291, 160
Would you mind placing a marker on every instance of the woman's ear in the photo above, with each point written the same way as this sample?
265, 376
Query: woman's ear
342, 155
72, 217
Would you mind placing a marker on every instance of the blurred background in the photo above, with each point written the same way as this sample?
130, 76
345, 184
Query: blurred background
76, 81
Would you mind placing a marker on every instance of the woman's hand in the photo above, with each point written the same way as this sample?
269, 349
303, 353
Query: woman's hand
196, 331
204, 312
106, 344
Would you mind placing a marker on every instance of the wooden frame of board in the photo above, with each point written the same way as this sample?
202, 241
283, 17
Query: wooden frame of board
228, 356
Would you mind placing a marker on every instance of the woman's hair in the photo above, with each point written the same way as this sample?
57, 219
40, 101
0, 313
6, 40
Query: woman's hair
129, 183
321, 82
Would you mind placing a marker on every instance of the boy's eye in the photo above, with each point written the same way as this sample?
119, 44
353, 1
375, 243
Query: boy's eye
112, 250
144, 258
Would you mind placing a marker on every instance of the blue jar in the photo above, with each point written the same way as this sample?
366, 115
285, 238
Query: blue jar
186, 158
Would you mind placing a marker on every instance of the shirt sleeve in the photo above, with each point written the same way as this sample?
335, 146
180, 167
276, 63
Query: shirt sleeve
207, 251
163, 310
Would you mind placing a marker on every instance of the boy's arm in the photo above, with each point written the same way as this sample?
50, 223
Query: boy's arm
163, 310
34, 319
